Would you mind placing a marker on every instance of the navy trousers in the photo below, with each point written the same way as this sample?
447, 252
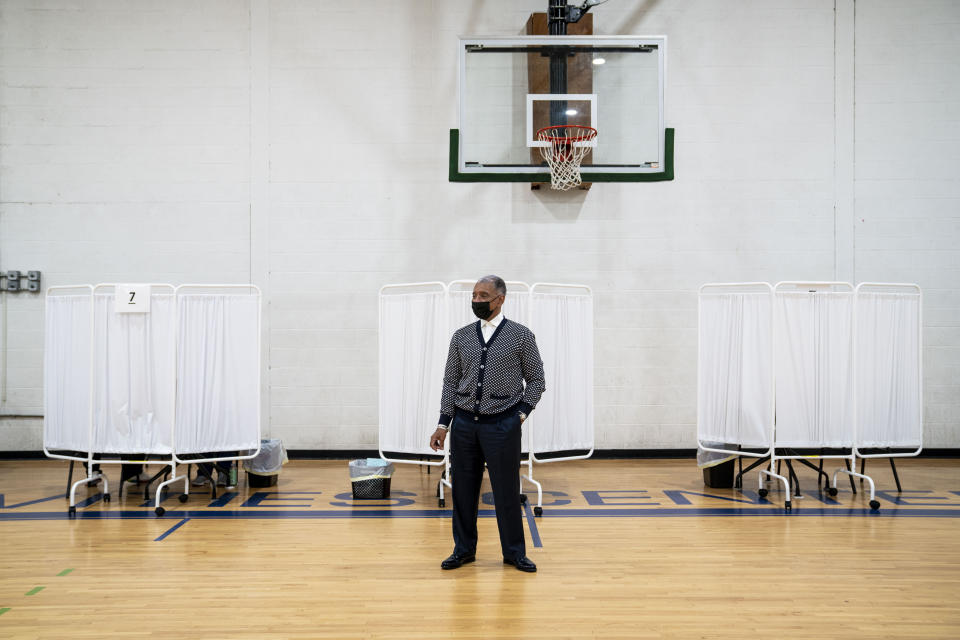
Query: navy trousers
495, 442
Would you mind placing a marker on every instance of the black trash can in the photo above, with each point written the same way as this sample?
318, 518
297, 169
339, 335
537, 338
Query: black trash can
720, 476
258, 481
370, 478
264, 469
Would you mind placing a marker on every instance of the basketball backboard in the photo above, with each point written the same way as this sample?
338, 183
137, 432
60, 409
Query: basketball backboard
510, 87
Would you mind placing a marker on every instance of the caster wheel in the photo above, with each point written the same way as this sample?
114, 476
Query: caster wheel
442, 503
159, 511
106, 497
763, 493
72, 512
788, 507
523, 498
183, 497
538, 511
875, 505
832, 491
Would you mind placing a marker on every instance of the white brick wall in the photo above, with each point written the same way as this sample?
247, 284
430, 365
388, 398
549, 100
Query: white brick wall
907, 186
124, 147
135, 139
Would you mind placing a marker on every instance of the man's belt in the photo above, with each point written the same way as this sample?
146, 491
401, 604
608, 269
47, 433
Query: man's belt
486, 418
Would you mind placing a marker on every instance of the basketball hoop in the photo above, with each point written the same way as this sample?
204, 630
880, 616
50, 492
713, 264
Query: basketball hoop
567, 145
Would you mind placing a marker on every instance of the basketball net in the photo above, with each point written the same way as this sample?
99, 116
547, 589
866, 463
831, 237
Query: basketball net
567, 145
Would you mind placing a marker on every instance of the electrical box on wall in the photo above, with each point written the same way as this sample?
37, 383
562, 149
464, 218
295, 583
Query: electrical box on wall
12, 281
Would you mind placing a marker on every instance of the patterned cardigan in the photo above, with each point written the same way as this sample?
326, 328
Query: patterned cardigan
488, 378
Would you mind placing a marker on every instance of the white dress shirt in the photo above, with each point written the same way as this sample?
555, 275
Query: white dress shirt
487, 327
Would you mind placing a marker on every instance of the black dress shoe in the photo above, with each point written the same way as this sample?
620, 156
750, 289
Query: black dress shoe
456, 560
522, 564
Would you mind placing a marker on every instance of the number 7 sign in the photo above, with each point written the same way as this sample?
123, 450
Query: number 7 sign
131, 298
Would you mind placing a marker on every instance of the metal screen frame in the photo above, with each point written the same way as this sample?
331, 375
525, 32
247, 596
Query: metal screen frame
89, 459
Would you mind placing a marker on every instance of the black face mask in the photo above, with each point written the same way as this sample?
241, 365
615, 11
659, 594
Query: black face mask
481, 309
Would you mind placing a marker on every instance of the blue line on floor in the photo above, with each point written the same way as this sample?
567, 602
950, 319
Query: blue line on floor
90, 500
532, 522
172, 529
59, 496
308, 514
223, 499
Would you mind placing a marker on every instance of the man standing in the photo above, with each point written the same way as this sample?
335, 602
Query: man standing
486, 400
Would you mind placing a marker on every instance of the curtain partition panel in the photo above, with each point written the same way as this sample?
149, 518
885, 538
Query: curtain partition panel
66, 372
814, 353
132, 375
889, 392
177, 374
847, 372
416, 322
414, 336
735, 369
562, 320
218, 373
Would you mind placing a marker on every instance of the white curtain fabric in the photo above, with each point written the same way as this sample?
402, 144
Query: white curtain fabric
134, 377
414, 337
564, 418
889, 402
66, 373
517, 305
813, 356
218, 373
734, 377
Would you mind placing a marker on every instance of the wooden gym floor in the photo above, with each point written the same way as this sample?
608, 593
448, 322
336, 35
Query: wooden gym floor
625, 548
